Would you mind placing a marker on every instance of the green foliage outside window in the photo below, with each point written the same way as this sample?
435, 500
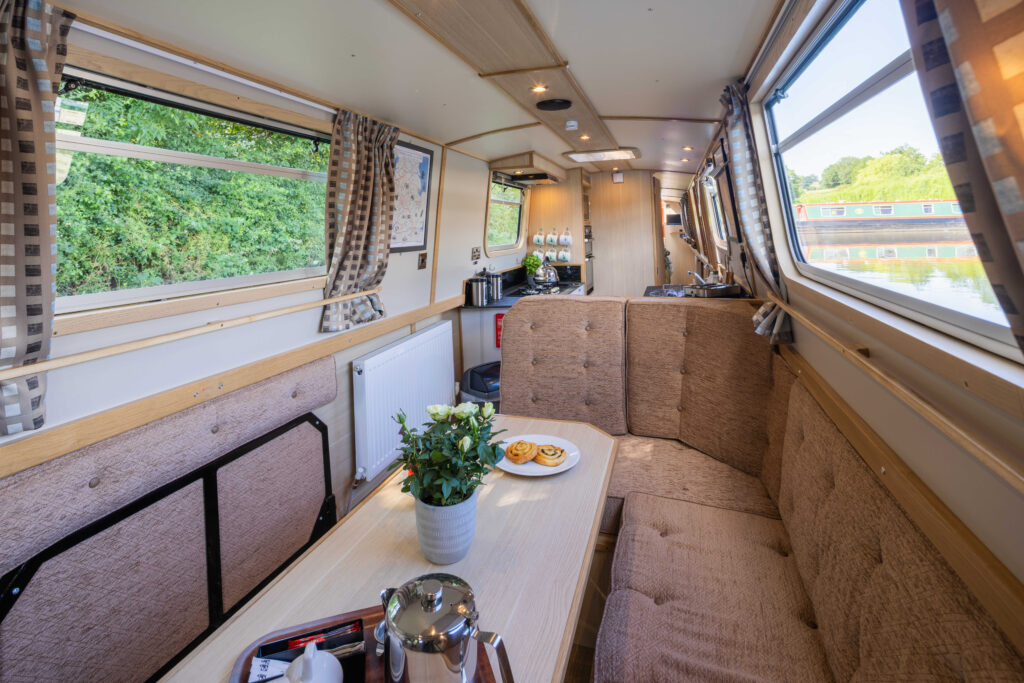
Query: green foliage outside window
903, 173
126, 223
504, 215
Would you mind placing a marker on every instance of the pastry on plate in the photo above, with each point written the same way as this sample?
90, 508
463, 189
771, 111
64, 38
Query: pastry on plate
520, 452
549, 455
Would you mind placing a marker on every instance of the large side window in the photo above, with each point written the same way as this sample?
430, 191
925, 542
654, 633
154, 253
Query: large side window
504, 215
871, 207
160, 198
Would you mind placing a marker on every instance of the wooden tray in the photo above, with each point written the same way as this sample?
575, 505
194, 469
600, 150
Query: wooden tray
369, 667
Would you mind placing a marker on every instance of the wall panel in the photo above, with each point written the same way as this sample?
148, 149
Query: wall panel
622, 216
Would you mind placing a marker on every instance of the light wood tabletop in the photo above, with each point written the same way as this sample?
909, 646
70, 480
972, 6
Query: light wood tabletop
528, 565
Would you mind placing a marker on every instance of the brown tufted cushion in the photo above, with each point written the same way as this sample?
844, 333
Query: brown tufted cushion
705, 594
44, 503
116, 606
697, 372
888, 606
665, 467
778, 410
563, 357
268, 503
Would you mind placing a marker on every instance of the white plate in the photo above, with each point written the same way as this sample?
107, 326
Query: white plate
532, 469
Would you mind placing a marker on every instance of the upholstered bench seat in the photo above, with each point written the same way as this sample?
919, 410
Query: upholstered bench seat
667, 468
703, 593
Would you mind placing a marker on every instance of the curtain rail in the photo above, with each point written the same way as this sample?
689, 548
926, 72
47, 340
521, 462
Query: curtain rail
148, 342
998, 465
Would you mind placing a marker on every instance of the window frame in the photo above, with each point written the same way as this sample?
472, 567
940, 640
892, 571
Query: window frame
502, 250
968, 328
79, 303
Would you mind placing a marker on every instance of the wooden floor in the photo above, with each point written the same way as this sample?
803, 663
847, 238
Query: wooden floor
581, 665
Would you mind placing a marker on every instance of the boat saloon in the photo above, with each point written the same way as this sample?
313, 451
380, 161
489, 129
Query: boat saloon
471, 341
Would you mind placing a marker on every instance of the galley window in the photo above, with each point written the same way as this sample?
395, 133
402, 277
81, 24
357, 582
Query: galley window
160, 196
505, 205
849, 125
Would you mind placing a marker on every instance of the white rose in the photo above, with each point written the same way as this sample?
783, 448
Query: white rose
464, 410
464, 443
487, 410
439, 411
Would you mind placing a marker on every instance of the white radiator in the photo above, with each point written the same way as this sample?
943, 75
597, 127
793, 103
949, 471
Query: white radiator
405, 376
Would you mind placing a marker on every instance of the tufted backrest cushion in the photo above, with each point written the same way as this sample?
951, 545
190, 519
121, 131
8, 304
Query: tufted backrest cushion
697, 372
887, 605
777, 413
47, 502
563, 357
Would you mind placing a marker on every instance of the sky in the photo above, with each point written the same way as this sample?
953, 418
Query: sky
872, 38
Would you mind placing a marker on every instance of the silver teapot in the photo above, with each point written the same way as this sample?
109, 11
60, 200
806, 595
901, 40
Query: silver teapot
546, 273
429, 632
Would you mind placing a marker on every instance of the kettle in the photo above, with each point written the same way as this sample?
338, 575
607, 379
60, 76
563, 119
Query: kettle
429, 631
547, 272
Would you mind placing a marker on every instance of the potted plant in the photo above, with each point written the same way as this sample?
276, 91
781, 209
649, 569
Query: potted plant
446, 462
530, 264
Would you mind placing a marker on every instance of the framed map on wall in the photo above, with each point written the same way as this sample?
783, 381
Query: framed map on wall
413, 168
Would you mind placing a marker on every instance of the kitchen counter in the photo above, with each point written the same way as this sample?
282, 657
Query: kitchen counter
677, 291
515, 294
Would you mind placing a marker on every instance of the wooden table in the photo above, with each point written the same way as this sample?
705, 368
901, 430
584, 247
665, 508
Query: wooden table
528, 565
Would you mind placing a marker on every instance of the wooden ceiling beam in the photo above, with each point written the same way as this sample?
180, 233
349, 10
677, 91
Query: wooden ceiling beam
678, 119
506, 72
492, 132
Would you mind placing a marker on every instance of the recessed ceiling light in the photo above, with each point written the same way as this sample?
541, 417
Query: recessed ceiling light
584, 137
687, 149
615, 168
604, 154
539, 88
684, 160
519, 173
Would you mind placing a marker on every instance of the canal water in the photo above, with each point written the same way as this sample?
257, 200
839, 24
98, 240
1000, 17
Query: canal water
936, 264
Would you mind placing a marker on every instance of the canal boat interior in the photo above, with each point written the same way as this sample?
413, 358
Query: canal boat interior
712, 314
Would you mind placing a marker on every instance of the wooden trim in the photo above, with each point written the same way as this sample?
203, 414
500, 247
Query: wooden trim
679, 119
111, 66
998, 590
492, 132
148, 342
1006, 469
52, 442
437, 226
990, 384
84, 321
539, 30
549, 67
760, 44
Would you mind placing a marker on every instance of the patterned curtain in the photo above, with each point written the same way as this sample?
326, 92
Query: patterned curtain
33, 46
360, 204
770, 320
970, 60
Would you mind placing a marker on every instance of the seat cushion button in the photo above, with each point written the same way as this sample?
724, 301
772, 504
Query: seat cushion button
812, 624
295, 394
533, 325
533, 362
679, 409
659, 601
214, 429
533, 398
586, 364
664, 534
94, 482
587, 328
586, 401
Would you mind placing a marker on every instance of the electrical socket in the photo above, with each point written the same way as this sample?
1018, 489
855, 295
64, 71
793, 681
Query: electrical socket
474, 254
422, 264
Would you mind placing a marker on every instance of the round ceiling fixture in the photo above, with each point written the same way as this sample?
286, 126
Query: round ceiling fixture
554, 105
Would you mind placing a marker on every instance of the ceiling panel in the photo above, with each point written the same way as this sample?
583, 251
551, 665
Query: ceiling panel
661, 143
538, 138
363, 54
659, 57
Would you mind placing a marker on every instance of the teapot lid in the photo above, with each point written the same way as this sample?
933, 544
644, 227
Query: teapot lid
431, 611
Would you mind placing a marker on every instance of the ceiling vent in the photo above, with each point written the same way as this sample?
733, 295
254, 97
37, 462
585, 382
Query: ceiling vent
554, 105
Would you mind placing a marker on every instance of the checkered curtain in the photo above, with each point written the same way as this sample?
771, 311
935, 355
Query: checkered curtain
970, 61
33, 46
360, 205
770, 320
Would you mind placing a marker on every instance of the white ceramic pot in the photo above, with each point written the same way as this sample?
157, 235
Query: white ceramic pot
446, 532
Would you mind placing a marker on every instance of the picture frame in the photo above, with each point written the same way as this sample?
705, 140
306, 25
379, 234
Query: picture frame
414, 172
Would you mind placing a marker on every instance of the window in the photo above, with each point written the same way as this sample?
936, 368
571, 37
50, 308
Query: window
505, 215
713, 198
870, 145
158, 199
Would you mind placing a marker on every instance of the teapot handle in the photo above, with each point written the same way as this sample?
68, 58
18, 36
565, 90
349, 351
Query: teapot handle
494, 640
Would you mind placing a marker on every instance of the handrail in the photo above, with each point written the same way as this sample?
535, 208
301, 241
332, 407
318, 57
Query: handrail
1005, 470
147, 342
